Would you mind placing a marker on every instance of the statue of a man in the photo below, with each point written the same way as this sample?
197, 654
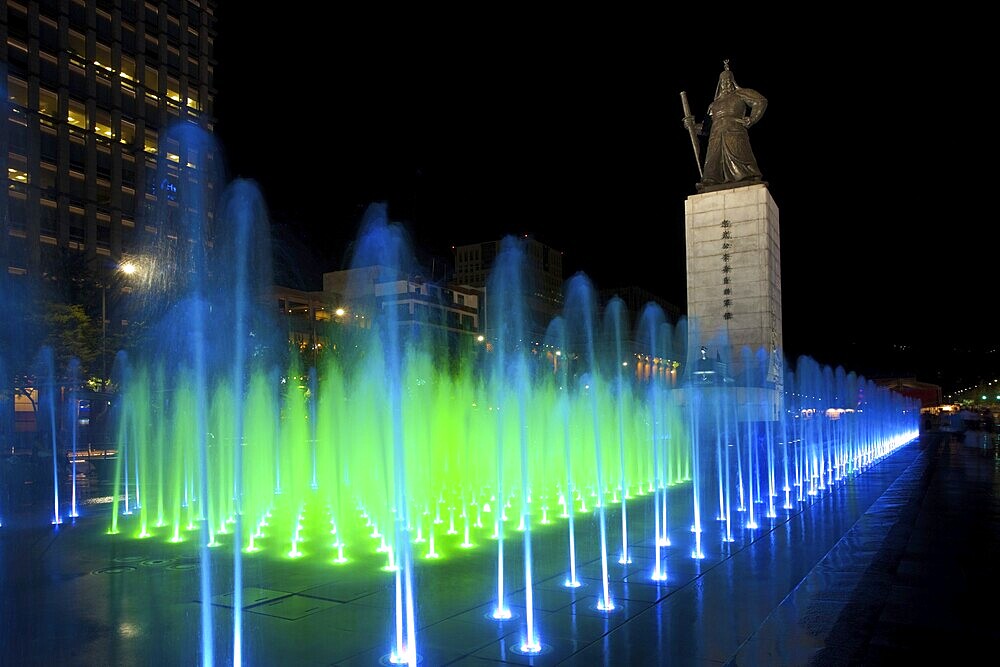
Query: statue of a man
729, 159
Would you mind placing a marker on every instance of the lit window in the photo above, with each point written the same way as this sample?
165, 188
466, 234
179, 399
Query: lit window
17, 91
103, 57
193, 98
17, 168
102, 123
77, 114
48, 102
128, 68
128, 133
174, 89
151, 141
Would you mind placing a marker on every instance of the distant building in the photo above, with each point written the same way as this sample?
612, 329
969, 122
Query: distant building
354, 297
453, 309
306, 316
543, 278
364, 291
648, 365
928, 394
636, 299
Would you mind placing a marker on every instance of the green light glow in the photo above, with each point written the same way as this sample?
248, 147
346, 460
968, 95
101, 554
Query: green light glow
447, 418
451, 425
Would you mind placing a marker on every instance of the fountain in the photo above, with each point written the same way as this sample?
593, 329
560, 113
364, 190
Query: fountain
399, 456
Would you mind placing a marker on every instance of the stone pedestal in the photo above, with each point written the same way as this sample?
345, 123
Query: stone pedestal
734, 283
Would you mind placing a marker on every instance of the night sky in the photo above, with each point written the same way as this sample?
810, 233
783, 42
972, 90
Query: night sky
869, 150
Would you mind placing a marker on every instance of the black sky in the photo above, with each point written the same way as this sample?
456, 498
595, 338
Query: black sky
574, 135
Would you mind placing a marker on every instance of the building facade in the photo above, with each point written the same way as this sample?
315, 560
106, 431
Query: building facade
92, 88
543, 278
306, 316
352, 300
359, 293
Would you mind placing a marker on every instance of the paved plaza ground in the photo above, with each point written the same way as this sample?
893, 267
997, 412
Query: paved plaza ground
897, 565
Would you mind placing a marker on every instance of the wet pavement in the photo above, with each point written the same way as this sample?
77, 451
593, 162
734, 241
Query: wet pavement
894, 566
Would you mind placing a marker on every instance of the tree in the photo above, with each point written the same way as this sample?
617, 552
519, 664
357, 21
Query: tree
71, 332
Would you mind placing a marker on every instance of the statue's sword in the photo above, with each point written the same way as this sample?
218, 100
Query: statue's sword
689, 124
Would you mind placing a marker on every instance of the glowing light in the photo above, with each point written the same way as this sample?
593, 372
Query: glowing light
401, 658
454, 431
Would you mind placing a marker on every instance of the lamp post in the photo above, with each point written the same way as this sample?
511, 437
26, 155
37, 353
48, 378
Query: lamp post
127, 268
104, 334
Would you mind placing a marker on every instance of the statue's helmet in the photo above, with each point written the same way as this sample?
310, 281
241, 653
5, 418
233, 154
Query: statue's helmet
726, 80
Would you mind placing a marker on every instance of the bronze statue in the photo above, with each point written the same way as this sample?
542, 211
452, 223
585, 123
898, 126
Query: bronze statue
729, 160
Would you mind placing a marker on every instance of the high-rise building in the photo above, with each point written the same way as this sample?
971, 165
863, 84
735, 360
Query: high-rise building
92, 87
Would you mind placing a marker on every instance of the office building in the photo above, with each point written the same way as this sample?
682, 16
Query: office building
93, 89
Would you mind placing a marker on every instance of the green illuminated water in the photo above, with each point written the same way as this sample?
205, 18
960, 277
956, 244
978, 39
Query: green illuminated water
451, 431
